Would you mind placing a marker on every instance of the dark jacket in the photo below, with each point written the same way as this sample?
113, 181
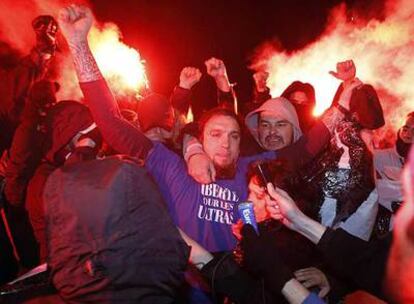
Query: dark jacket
29, 141
110, 238
14, 89
363, 263
35, 208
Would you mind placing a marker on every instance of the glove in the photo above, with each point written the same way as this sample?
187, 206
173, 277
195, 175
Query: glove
261, 258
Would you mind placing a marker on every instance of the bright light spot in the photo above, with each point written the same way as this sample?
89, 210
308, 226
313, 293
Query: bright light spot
382, 52
120, 64
190, 116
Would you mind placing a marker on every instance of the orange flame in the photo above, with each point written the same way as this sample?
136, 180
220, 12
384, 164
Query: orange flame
190, 116
120, 64
382, 52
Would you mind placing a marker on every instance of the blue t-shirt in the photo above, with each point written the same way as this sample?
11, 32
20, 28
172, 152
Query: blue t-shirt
204, 212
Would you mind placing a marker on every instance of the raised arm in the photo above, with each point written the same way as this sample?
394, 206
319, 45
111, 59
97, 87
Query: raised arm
180, 97
261, 91
311, 143
216, 69
298, 153
75, 22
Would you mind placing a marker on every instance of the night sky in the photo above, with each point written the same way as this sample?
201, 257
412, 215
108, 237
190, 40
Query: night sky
174, 34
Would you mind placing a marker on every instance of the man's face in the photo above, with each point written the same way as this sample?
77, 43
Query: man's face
407, 131
221, 140
274, 132
400, 268
298, 97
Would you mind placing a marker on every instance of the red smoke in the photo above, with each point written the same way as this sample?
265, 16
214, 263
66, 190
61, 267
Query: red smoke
382, 51
16, 30
120, 64
16, 17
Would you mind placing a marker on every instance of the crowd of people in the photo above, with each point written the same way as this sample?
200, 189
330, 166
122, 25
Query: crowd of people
127, 202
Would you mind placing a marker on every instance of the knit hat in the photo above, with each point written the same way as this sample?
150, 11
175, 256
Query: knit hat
303, 110
306, 88
279, 107
365, 106
65, 120
155, 110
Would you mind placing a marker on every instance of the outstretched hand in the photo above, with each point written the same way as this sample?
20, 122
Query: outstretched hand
75, 22
281, 206
345, 70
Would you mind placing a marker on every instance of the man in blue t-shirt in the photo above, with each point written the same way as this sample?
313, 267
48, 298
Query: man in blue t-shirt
204, 212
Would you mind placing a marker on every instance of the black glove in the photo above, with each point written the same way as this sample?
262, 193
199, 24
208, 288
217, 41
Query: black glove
261, 258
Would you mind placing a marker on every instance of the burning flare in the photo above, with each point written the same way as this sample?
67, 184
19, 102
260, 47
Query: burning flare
190, 116
120, 64
381, 50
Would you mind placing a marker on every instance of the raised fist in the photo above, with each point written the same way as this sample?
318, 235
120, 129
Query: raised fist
75, 22
216, 68
260, 79
345, 70
189, 76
